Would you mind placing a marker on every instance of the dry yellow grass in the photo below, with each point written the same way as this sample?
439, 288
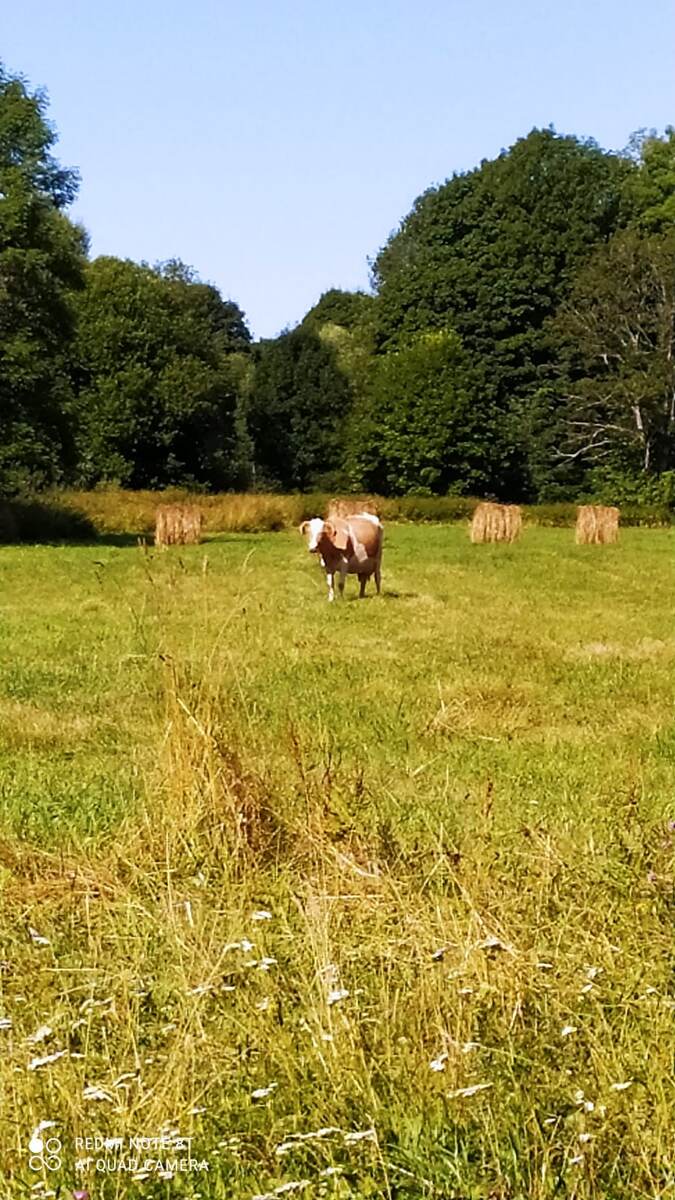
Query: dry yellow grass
496, 522
597, 525
178, 525
350, 506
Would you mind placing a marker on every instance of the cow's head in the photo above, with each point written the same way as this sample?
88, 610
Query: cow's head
319, 532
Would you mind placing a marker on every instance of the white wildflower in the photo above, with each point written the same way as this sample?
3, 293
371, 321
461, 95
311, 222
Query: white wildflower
295, 1139
568, 1030
123, 1080
5, 1022
40, 1035
261, 914
621, 1087
593, 972
465, 991
263, 1004
438, 955
35, 1063
494, 943
469, 1091
336, 995
37, 938
360, 1135
197, 1111
587, 988
438, 1064
589, 1106
263, 1092
90, 1003
545, 966
585, 1137
578, 1158
578, 1096
200, 989
92, 1092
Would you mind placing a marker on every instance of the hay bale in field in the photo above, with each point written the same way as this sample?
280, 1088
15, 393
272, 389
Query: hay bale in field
496, 522
178, 525
348, 508
597, 525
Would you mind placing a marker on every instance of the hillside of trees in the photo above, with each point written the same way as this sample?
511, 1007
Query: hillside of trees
518, 341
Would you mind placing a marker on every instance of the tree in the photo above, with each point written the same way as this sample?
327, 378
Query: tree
651, 187
620, 325
299, 404
42, 257
492, 253
336, 307
420, 429
157, 377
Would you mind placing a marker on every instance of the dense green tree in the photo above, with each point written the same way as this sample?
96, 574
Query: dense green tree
349, 310
42, 257
492, 253
651, 187
157, 377
419, 429
299, 405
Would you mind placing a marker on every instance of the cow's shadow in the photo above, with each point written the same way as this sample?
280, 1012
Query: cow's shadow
386, 595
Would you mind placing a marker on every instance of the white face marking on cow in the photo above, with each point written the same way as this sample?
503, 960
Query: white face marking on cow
315, 531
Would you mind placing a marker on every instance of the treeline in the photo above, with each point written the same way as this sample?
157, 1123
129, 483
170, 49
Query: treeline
519, 342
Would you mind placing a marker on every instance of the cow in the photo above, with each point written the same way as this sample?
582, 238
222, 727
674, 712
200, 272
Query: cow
347, 546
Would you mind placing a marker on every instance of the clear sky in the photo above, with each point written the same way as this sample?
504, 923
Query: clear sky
275, 144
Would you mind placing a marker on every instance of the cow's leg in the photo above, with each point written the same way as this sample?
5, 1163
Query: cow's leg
341, 581
378, 577
330, 580
363, 579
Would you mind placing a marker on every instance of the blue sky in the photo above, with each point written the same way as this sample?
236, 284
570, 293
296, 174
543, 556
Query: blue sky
275, 144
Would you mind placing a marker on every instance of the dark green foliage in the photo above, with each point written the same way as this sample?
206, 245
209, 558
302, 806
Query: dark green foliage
335, 307
491, 254
421, 428
156, 379
41, 262
651, 188
298, 409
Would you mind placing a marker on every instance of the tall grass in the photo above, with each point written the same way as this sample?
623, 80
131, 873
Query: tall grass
443, 819
121, 512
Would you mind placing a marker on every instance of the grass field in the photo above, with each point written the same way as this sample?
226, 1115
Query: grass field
395, 873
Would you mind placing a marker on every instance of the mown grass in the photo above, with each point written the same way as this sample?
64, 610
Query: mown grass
455, 802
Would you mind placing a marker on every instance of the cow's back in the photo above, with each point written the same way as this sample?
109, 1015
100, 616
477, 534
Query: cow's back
368, 532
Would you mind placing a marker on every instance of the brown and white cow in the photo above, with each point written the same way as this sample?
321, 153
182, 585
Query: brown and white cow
347, 546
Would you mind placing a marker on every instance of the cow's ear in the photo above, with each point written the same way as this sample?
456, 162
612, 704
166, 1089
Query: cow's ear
304, 527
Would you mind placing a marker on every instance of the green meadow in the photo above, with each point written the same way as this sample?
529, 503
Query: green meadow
374, 899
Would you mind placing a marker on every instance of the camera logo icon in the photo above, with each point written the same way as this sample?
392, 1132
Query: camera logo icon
45, 1152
